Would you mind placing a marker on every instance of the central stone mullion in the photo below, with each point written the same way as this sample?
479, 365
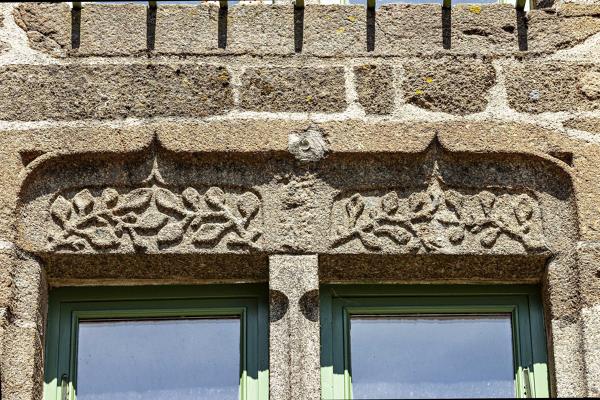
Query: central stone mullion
294, 329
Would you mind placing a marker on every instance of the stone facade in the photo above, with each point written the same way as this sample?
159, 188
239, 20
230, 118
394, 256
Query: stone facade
189, 144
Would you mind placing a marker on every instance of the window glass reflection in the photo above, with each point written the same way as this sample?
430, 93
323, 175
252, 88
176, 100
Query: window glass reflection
431, 357
159, 359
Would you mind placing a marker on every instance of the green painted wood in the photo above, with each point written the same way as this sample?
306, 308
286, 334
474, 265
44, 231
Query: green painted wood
523, 302
68, 306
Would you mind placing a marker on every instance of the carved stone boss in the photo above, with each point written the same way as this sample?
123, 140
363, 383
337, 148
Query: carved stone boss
438, 219
153, 217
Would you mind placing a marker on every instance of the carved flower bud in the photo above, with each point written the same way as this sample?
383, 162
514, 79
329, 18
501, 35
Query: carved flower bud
191, 197
61, 209
110, 197
248, 204
456, 235
84, 202
215, 197
390, 203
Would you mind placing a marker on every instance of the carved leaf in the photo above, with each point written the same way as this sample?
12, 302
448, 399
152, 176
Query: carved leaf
84, 202
370, 241
191, 198
170, 233
168, 200
102, 237
136, 199
453, 200
248, 204
417, 201
209, 233
354, 208
487, 200
151, 220
215, 198
396, 233
61, 209
524, 209
489, 237
110, 197
390, 203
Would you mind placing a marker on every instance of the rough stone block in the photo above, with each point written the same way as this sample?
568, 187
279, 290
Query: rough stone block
261, 29
331, 30
69, 92
588, 255
478, 29
591, 334
294, 328
405, 29
186, 29
578, 10
47, 25
567, 352
374, 84
584, 124
549, 32
113, 29
293, 89
448, 85
22, 363
553, 86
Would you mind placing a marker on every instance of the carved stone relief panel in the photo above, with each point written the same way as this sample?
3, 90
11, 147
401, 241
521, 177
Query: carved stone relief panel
429, 202
438, 219
154, 217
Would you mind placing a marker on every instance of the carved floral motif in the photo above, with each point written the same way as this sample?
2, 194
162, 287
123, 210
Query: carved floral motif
440, 219
154, 217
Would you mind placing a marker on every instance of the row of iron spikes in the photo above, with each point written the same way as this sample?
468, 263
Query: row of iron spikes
520, 4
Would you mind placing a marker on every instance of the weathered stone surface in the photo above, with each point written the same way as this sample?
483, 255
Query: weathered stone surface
584, 124
110, 91
48, 26
548, 32
294, 329
578, 9
293, 89
374, 84
431, 268
588, 257
22, 363
186, 29
554, 86
403, 29
568, 357
591, 329
448, 85
261, 29
112, 29
480, 29
335, 30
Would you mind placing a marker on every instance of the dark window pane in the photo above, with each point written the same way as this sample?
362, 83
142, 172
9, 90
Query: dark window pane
159, 359
432, 357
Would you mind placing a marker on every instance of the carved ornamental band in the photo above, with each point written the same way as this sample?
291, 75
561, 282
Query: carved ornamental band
154, 218
438, 220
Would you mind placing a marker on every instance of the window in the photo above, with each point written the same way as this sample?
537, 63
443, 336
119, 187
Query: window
427, 341
180, 343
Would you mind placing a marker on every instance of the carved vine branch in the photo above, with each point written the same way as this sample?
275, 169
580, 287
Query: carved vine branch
437, 218
153, 217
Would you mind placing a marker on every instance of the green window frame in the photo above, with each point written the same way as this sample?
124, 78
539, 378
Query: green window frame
523, 302
68, 306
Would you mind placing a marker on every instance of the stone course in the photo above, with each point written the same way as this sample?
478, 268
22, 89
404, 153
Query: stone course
325, 145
